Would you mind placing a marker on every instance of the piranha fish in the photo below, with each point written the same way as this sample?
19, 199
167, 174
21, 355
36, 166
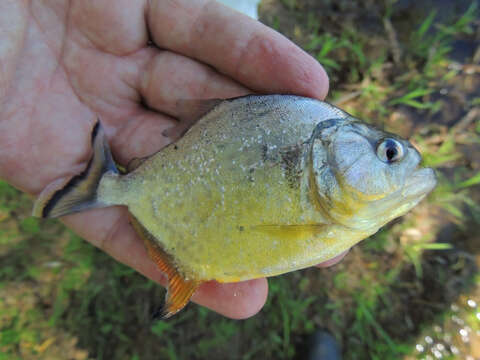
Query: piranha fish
258, 186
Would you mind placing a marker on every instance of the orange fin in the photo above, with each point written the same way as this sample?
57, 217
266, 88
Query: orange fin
189, 112
179, 290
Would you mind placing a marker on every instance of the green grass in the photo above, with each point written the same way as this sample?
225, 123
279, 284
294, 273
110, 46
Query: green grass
61, 298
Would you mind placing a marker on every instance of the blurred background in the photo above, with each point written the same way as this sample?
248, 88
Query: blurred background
412, 291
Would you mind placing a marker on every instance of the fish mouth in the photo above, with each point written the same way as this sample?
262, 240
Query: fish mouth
420, 183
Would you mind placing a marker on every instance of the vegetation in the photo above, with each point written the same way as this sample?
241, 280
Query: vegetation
411, 291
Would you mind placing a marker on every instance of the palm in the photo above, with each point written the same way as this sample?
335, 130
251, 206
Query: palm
68, 63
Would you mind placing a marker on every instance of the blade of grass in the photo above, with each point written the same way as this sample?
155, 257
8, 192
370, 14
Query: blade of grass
474, 180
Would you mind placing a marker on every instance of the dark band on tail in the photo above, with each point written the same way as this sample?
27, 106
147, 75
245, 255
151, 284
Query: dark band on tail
64, 191
80, 192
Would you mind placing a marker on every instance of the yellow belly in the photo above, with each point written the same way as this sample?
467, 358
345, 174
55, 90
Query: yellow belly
235, 230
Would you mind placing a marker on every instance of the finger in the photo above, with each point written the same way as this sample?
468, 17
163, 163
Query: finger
110, 230
169, 77
118, 29
235, 45
334, 260
236, 300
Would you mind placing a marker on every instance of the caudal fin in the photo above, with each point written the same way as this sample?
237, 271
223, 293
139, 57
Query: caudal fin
67, 196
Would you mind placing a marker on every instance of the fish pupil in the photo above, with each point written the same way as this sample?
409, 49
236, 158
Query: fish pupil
391, 153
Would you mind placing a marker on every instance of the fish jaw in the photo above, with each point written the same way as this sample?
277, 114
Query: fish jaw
420, 183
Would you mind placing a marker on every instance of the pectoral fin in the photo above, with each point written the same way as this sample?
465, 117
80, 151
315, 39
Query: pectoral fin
291, 232
179, 290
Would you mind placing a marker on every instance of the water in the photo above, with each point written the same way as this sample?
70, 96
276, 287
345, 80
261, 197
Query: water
457, 335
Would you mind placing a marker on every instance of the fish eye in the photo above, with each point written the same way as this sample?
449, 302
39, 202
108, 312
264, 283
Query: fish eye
390, 150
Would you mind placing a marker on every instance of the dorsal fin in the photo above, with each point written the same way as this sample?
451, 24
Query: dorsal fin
192, 110
136, 162
188, 113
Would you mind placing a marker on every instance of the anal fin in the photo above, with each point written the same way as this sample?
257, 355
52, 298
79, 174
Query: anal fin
179, 290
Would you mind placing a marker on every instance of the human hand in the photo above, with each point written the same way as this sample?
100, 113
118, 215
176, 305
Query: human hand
65, 63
